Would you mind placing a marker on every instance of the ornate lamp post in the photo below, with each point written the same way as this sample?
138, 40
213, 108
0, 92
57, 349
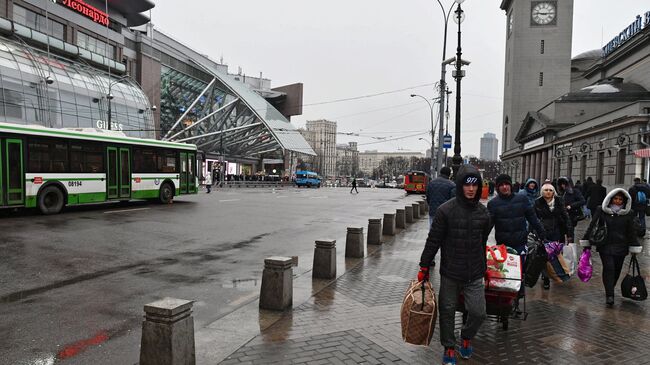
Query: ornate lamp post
434, 171
110, 96
458, 74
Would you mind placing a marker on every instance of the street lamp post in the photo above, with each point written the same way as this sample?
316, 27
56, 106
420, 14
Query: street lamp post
434, 170
443, 71
110, 96
457, 160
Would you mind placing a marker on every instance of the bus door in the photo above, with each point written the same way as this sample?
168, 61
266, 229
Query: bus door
188, 168
12, 174
118, 173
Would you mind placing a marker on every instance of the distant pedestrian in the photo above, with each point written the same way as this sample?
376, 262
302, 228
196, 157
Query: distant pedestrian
640, 194
619, 218
572, 198
515, 187
460, 230
491, 187
439, 190
207, 180
596, 194
531, 190
354, 186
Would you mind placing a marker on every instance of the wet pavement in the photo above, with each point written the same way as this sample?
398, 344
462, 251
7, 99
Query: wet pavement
355, 320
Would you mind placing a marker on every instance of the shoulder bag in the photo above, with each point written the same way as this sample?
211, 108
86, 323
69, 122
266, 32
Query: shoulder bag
633, 285
598, 232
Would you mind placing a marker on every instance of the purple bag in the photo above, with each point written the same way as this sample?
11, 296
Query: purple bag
584, 267
553, 249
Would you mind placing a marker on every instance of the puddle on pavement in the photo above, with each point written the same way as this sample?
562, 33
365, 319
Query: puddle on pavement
241, 283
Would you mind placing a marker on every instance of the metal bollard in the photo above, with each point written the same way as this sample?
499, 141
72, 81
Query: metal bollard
324, 260
168, 333
354, 242
389, 224
423, 208
409, 213
400, 218
374, 231
277, 283
416, 211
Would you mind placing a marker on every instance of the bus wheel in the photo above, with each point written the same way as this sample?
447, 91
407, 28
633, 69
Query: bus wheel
166, 193
50, 200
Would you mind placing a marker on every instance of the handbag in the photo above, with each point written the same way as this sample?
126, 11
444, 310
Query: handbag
598, 232
633, 285
418, 313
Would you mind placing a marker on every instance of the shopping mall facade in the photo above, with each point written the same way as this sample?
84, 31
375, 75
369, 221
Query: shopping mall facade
67, 63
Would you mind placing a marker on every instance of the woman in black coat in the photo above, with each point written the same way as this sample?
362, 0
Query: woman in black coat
551, 211
616, 211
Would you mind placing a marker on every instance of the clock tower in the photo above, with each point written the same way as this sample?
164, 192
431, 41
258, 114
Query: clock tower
538, 60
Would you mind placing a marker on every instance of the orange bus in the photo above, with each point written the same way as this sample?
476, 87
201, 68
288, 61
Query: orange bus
415, 182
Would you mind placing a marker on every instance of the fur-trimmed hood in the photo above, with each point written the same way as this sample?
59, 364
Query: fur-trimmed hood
627, 201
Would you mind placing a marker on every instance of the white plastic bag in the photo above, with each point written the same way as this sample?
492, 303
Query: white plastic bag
570, 253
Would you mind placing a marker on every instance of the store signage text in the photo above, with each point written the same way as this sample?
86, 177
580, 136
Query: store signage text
534, 143
89, 11
104, 125
638, 25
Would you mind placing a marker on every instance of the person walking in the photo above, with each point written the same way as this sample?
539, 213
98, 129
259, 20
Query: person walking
572, 198
354, 186
439, 190
460, 229
595, 195
511, 214
207, 180
616, 210
551, 211
531, 190
640, 194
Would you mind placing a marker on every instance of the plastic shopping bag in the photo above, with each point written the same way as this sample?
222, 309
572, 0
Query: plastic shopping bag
570, 254
585, 269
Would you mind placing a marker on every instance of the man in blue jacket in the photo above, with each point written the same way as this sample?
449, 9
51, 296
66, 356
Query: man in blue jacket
509, 213
439, 190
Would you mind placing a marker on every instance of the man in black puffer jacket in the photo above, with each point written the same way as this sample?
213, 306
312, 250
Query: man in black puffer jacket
460, 230
509, 213
439, 190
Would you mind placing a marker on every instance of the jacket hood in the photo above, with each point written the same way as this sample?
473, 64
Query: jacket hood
464, 172
536, 190
627, 201
567, 181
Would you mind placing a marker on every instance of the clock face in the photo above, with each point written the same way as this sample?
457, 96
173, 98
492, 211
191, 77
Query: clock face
543, 13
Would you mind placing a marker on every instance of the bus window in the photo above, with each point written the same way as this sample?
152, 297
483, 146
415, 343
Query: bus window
47, 156
86, 157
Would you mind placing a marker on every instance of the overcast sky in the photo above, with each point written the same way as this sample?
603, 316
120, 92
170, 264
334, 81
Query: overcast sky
343, 49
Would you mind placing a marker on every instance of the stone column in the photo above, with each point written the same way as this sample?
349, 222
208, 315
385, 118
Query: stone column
277, 283
324, 260
374, 231
533, 167
389, 224
416, 211
408, 211
545, 173
525, 170
423, 208
168, 333
400, 218
354, 242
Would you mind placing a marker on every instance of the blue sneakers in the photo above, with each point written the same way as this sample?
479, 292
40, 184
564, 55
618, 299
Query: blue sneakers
466, 349
449, 356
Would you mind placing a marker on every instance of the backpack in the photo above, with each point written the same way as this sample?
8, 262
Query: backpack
641, 198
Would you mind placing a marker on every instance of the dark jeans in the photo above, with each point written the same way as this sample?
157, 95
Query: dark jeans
612, 266
474, 293
355, 189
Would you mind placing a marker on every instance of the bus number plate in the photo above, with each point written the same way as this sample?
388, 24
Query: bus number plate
74, 183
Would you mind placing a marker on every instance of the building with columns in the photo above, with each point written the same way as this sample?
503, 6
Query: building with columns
586, 116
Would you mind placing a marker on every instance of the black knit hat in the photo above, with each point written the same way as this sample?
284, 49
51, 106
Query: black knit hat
503, 178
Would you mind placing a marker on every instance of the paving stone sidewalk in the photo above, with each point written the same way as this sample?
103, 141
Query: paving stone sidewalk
355, 320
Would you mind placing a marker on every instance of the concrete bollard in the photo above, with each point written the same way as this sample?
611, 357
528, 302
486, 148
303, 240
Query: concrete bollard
409, 213
374, 231
354, 242
324, 260
277, 283
168, 333
426, 205
423, 208
416, 211
400, 218
389, 224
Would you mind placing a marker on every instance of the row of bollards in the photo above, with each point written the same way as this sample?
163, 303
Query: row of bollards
168, 328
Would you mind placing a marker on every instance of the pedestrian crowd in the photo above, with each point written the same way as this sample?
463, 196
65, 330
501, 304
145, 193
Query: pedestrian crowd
460, 225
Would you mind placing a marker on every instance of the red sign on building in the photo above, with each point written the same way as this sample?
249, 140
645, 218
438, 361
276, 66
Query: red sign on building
89, 11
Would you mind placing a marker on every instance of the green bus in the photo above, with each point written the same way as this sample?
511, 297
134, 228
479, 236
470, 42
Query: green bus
49, 169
